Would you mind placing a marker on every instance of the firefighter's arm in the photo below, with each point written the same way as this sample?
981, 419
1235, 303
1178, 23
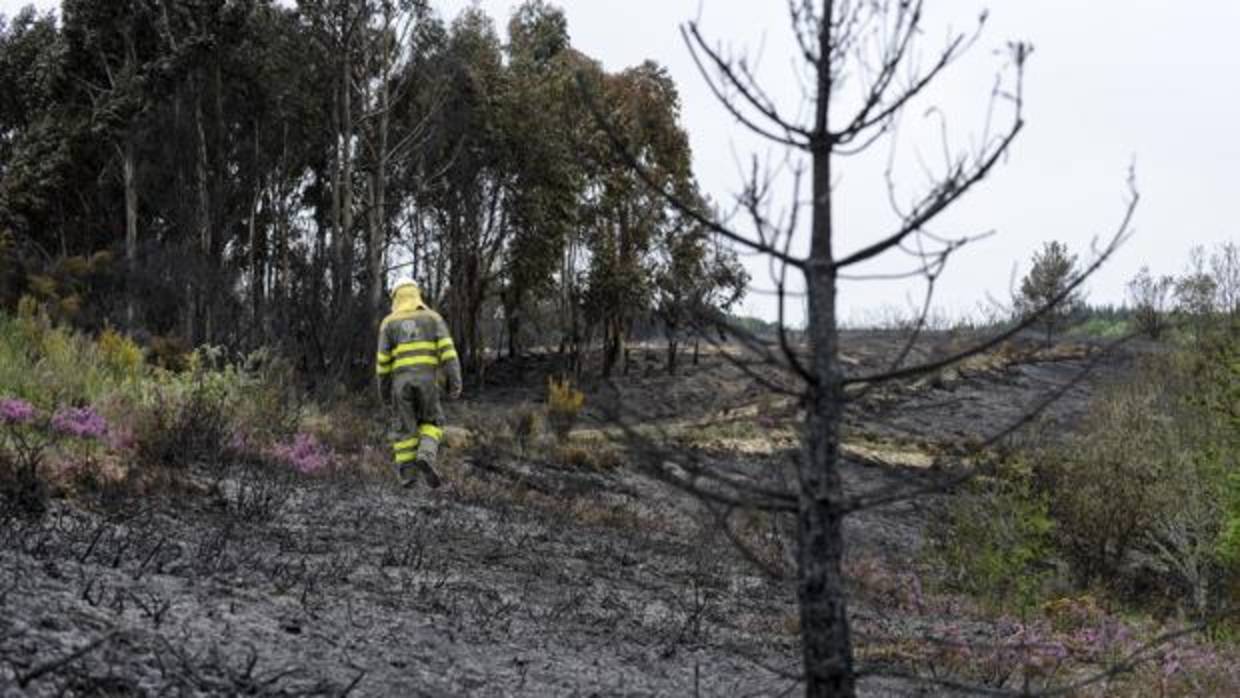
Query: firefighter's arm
383, 366
448, 360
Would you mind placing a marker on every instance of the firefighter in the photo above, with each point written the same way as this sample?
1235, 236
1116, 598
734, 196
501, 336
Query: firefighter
415, 350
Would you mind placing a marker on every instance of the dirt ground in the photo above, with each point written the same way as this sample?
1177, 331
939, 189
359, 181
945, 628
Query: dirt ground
524, 575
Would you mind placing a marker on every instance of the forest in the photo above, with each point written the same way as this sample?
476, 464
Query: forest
246, 174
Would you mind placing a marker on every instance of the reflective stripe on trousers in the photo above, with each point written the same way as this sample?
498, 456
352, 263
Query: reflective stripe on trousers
423, 447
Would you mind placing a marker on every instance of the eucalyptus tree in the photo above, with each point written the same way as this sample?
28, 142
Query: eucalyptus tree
549, 177
698, 278
112, 52
629, 217
469, 144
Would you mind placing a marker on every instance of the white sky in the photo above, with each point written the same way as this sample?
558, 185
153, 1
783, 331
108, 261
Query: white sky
1110, 82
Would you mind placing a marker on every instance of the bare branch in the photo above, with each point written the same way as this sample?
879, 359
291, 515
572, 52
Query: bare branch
947, 193
747, 88
25, 679
1105, 254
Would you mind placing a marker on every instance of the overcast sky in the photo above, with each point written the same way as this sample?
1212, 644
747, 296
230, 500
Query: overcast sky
1110, 83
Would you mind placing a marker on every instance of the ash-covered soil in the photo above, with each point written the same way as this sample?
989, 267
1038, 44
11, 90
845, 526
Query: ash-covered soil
519, 577
367, 590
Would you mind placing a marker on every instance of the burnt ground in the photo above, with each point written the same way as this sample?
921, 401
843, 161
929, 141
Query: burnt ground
522, 576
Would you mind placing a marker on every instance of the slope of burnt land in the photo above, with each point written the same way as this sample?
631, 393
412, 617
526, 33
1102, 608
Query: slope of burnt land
520, 577
366, 590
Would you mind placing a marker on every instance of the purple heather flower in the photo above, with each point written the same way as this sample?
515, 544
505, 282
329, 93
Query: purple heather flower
16, 411
82, 422
305, 454
239, 441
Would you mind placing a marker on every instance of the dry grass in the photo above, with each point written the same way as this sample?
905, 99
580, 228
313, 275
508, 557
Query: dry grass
596, 457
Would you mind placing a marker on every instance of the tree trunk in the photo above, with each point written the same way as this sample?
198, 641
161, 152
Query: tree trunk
514, 334
378, 215
285, 288
219, 201
377, 242
128, 167
344, 242
613, 346
203, 219
257, 280
825, 637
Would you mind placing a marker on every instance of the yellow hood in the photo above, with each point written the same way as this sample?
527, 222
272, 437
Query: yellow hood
406, 299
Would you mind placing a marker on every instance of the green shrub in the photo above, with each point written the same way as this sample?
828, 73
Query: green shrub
1104, 482
177, 425
1146, 494
1103, 328
50, 365
121, 355
213, 407
995, 542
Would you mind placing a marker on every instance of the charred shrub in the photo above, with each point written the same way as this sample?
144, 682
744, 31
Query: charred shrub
526, 424
215, 410
183, 424
256, 493
595, 456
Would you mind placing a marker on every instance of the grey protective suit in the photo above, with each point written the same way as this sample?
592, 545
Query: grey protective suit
415, 349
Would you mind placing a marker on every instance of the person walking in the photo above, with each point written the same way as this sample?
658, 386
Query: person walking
415, 350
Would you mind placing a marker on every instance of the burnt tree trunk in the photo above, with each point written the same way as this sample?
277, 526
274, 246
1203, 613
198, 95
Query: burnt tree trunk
826, 641
514, 334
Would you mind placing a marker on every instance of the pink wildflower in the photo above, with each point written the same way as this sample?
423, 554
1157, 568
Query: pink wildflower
16, 411
82, 422
305, 454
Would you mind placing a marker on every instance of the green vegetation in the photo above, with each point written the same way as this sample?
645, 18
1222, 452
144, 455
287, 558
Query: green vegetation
83, 416
1099, 539
1142, 499
1103, 323
1000, 535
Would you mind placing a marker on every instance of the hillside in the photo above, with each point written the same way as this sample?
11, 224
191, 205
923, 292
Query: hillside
523, 576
